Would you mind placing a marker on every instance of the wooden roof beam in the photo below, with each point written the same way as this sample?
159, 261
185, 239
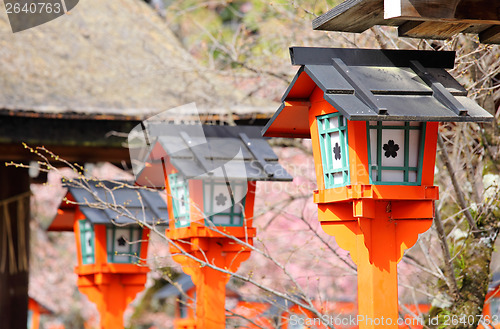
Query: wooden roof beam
456, 11
491, 35
431, 29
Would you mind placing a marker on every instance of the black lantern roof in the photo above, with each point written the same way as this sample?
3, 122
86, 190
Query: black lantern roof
125, 204
210, 152
182, 284
374, 85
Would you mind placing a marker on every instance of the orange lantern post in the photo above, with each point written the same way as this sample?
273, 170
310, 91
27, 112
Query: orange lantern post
111, 245
373, 117
210, 174
35, 310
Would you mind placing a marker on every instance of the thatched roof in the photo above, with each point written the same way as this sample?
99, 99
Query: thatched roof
112, 57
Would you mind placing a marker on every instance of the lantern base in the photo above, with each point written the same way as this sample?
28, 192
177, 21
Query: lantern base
185, 324
376, 245
111, 293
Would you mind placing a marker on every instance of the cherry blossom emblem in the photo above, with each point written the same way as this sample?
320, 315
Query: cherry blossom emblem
391, 149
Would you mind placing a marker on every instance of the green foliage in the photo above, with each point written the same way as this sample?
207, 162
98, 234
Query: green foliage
226, 33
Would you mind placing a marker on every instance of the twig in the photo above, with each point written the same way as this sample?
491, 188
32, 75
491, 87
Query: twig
448, 264
456, 185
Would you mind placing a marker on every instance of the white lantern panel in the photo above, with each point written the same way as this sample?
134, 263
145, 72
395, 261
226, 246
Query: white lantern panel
414, 148
182, 201
338, 178
221, 220
87, 242
393, 123
88, 245
373, 146
375, 175
323, 125
124, 244
336, 149
415, 123
393, 141
183, 221
334, 123
240, 190
393, 175
412, 176
221, 198
223, 202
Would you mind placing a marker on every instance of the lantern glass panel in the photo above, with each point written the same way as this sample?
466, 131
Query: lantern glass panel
332, 130
495, 307
396, 152
123, 244
30, 319
183, 306
87, 241
223, 202
180, 199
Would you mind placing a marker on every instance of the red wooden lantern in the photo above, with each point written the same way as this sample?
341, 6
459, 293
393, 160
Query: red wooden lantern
373, 118
210, 174
111, 244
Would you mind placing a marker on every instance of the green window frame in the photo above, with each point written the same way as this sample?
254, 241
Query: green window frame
30, 319
375, 165
180, 205
325, 130
132, 245
88, 252
183, 305
234, 213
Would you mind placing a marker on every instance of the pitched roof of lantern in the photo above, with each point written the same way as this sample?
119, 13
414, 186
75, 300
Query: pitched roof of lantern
183, 284
373, 85
107, 202
210, 152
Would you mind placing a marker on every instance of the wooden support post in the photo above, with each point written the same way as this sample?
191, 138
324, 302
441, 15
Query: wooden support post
111, 293
14, 246
376, 246
211, 283
211, 299
377, 275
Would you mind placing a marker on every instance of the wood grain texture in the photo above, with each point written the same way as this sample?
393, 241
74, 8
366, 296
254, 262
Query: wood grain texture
430, 29
429, 19
460, 11
353, 16
490, 35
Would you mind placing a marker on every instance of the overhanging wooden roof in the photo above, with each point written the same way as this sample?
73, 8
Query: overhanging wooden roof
117, 58
437, 19
81, 82
373, 85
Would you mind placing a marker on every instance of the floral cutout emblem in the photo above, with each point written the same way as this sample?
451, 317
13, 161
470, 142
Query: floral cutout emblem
221, 199
391, 149
89, 241
336, 151
121, 241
